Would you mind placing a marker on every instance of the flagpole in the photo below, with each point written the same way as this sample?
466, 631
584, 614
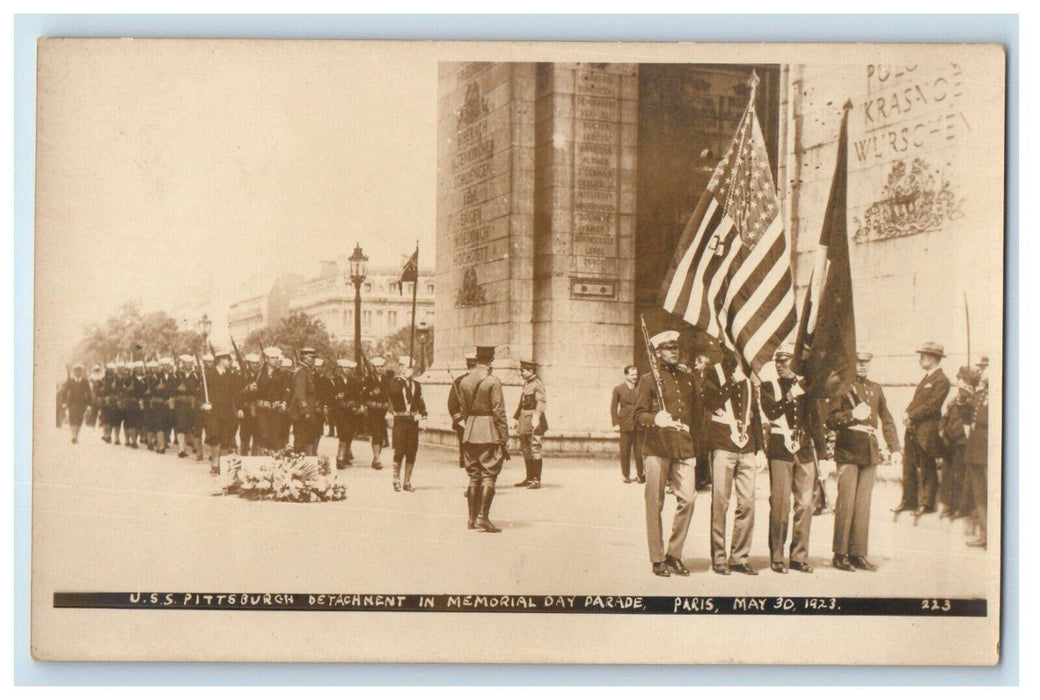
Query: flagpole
415, 291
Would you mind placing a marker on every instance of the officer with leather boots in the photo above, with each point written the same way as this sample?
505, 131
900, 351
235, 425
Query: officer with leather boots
530, 423
484, 438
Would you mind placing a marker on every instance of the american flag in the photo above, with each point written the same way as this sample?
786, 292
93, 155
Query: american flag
731, 273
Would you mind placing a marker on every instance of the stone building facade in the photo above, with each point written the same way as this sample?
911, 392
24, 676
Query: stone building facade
563, 188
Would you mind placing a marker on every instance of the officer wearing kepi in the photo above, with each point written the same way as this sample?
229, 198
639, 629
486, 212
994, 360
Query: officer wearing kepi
530, 423
857, 452
484, 439
668, 450
458, 424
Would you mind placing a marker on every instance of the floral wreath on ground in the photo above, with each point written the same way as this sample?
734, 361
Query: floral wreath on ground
282, 476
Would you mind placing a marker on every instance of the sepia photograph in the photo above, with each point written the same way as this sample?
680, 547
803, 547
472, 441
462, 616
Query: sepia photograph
504, 352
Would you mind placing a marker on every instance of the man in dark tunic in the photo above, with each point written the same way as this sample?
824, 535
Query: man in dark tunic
221, 412
76, 395
409, 415
484, 439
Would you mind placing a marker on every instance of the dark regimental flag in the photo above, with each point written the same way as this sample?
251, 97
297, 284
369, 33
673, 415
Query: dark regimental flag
410, 272
825, 349
731, 273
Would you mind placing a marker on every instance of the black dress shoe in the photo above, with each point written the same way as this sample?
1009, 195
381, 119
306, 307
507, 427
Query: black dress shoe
863, 563
744, 569
841, 561
408, 487
641, 479
924, 510
903, 506
779, 567
676, 566
520, 484
535, 484
661, 569
721, 569
803, 566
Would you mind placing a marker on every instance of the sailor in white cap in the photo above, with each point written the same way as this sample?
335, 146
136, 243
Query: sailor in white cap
666, 408
409, 415
377, 404
344, 401
272, 398
221, 410
248, 439
187, 398
922, 443
106, 399
136, 391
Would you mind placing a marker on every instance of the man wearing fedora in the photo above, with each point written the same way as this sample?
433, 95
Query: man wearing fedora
922, 443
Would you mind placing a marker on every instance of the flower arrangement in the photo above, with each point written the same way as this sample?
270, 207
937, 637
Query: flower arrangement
283, 476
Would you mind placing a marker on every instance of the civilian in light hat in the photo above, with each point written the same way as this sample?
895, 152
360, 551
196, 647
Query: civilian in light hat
530, 423
76, 396
668, 450
923, 446
484, 439
857, 418
409, 416
374, 394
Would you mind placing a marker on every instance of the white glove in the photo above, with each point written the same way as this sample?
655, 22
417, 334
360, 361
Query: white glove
663, 419
207, 407
761, 463
861, 411
738, 374
616, 428
796, 391
389, 419
897, 458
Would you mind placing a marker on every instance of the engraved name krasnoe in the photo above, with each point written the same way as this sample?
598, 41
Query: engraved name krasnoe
509, 603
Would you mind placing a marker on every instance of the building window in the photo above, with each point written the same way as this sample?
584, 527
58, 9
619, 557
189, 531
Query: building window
366, 319
391, 319
368, 286
348, 318
429, 288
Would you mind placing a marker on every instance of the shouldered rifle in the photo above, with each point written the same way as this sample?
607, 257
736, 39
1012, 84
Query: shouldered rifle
654, 371
202, 371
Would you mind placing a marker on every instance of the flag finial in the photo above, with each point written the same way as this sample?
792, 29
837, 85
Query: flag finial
848, 105
753, 83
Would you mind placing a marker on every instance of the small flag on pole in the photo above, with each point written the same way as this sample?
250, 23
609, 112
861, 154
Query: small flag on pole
410, 272
731, 273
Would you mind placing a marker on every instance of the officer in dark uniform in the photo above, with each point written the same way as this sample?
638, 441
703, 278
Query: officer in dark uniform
221, 412
304, 406
376, 406
161, 390
106, 401
248, 395
455, 403
923, 447
668, 450
323, 390
790, 451
94, 379
76, 395
976, 453
530, 423
857, 452
485, 437
408, 410
148, 413
732, 430
271, 401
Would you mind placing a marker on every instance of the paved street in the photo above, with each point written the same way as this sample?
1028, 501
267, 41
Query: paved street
136, 520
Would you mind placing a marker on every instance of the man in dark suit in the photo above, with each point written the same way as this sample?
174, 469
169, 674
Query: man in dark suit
622, 417
855, 418
484, 438
408, 411
76, 396
923, 446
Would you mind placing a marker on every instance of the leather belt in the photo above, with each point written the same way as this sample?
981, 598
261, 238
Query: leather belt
863, 429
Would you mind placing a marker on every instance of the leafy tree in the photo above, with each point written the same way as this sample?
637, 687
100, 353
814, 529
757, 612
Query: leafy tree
131, 335
295, 331
397, 344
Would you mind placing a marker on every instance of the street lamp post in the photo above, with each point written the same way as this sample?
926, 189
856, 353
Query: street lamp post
205, 326
423, 331
358, 267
